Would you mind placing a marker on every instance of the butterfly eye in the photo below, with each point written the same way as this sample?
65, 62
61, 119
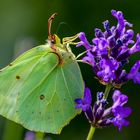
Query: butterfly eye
53, 41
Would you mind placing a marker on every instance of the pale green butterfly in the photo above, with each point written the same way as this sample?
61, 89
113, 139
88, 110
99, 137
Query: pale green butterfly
38, 89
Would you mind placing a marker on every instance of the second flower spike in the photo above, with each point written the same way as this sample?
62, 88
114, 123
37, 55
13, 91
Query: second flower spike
99, 116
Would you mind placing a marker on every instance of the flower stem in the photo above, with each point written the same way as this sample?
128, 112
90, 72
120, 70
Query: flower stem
107, 90
91, 133
39, 136
92, 129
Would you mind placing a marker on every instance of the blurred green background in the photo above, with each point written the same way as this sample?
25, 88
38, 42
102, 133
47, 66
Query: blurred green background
23, 24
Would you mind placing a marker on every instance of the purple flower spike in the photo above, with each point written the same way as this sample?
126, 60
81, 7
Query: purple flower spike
110, 51
134, 73
98, 116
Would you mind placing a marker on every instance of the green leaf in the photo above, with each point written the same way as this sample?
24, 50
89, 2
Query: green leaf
38, 89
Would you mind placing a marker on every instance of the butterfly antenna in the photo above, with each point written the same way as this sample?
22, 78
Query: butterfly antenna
66, 24
50, 36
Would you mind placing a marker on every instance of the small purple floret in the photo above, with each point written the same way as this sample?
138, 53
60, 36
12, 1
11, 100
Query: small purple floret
120, 114
84, 41
119, 99
85, 102
136, 47
135, 73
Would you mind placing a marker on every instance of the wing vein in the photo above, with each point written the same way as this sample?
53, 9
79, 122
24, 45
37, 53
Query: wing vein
75, 79
51, 100
61, 105
65, 82
41, 80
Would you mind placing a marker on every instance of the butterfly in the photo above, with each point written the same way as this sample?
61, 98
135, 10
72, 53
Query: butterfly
38, 89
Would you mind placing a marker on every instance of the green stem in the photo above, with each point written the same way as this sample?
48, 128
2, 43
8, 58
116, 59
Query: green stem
39, 136
92, 129
91, 133
107, 90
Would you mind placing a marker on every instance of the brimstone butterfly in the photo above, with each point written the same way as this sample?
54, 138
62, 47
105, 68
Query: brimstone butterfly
38, 89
